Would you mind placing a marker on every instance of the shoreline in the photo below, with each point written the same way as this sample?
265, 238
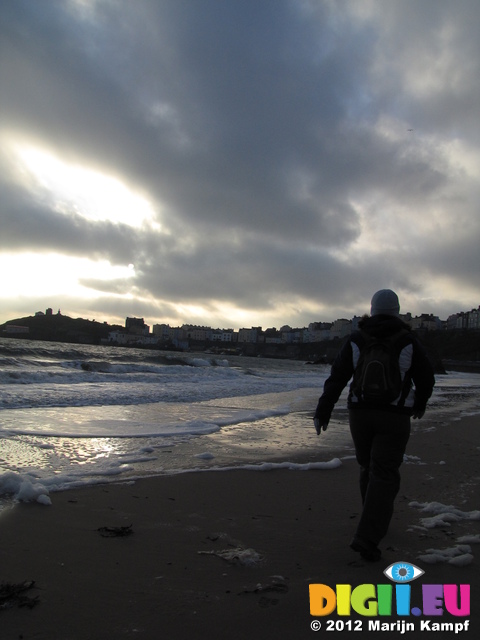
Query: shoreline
232, 552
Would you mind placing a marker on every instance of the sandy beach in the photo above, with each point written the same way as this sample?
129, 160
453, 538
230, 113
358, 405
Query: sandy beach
229, 554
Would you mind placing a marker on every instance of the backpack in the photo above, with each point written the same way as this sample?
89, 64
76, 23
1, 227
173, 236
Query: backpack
377, 378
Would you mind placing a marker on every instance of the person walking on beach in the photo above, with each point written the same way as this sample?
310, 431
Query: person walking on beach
392, 382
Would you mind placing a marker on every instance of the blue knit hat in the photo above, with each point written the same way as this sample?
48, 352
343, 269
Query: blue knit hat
385, 302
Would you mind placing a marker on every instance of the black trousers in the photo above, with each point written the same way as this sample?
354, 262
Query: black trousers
380, 439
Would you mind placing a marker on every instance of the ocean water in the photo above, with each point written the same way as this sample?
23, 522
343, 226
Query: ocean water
72, 415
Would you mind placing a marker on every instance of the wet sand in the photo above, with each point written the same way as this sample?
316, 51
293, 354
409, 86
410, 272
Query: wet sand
229, 554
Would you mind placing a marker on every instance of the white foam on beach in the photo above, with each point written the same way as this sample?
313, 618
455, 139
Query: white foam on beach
27, 488
444, 514
469, 539
408, 459
269, 466
460, 555
23, 489
205, 456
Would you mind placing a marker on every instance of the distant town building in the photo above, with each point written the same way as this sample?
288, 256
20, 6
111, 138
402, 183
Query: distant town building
161, 331
249, 335
137, 326
318, 331
273, 336
426, 321
131, 339
474, 319
291, 336
315, 332
341, 329
223, 335
464, 320
198, 334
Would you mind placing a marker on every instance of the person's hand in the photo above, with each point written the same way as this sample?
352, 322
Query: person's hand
418, 413
320, 425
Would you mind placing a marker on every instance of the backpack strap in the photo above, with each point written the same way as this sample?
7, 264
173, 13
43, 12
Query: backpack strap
406, 385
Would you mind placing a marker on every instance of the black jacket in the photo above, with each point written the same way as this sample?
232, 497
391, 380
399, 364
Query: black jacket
414, 364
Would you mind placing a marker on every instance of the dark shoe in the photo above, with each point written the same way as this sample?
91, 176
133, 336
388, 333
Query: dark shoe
368, 550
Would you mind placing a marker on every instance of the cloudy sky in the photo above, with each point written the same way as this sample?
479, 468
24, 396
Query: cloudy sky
238, 162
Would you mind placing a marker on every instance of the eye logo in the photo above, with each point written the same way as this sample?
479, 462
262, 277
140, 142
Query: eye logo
403, 572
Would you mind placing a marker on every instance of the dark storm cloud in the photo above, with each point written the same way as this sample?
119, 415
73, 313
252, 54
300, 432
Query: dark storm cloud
250, 114
266, 135
430, 49
29, 225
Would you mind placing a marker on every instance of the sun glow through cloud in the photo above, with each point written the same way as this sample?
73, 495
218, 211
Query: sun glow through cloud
38, 275
88, 193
